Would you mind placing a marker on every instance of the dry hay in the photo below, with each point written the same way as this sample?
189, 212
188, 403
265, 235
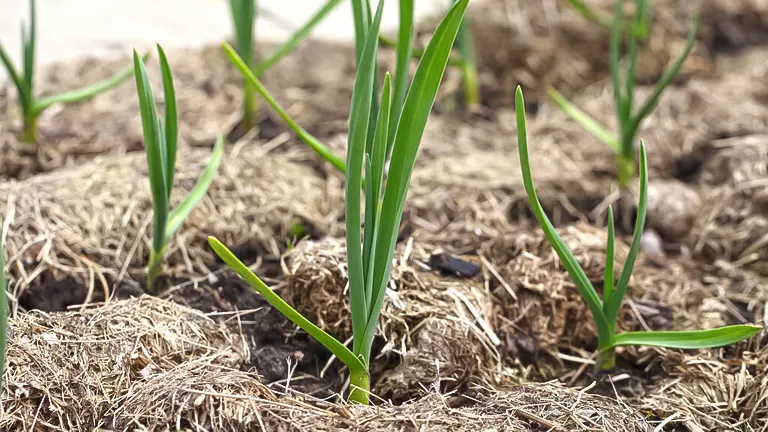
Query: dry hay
96, 219
733, 230
76, 370
154, 365
437, 327
723, 390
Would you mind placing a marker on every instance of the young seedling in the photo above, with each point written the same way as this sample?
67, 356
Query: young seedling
370, 251
160, 138
243, 18
31, 106
605, 311
629, 120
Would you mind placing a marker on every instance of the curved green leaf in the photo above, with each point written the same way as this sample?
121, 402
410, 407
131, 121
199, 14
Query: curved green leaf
84, 93
28, 41
609, 259
20, 83
585, 120
243, 17
305, 136
693, 339
413, 120
171, 123
612, 305
604, 326
153, 143
404, 47
359, 124
182, 211
296, 38
337, 348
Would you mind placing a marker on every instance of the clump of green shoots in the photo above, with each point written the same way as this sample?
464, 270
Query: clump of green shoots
243, 19
605, 311
160, 137
370, 250
31, 106
629, 120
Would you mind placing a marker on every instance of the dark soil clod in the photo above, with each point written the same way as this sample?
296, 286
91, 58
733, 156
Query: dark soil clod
450, 264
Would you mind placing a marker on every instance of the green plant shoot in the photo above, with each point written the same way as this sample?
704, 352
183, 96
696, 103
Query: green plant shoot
466, 45
605, 311
32, 106
640, 29
629, 120
160, 137
370, 251
243, 18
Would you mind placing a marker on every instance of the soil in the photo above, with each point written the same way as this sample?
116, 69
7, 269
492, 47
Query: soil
481, 314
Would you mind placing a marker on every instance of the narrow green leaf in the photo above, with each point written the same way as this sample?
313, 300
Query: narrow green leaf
83, 93
629, 96
404, 48
413, 119
466, 44
612, 306
693, 339
416, 52
362, 20
198, 191
243, 17
21, 86
153, 142
604, 328
585, 120
357, 144
337, 348
666, 78
28, 40
296, 38
305, 136
609, 259
589, 13
171, 123
374, 181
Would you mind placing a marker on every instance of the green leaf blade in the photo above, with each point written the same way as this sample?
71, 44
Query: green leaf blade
171, 123
693, 339
403, 52
198, 191
585, 120
296, 38
337, 348
315, 144
605, 329
413, 120
612, 305
153, 142
357, 144
373, 185
20, 83
29, 40
84, 93
609, 259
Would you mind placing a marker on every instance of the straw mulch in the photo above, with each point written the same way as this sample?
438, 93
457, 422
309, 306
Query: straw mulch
153, 365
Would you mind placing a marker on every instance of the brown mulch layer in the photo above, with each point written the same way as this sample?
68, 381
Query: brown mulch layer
151, 364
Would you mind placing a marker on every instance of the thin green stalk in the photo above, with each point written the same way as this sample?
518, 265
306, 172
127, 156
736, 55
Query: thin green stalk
244, 16
32, 107
402, 79
605, 312
417, 53
466, 44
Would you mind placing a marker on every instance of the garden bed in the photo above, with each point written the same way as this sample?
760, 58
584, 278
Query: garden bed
506, 347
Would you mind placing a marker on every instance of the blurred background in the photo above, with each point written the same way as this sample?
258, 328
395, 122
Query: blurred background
70, 29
